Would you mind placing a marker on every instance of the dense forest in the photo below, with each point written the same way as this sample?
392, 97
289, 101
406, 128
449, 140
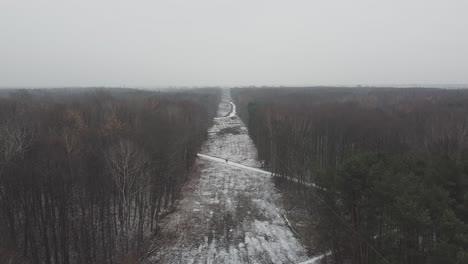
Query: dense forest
389, 166
85, 174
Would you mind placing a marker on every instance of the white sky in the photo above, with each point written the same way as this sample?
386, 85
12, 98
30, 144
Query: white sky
232, 42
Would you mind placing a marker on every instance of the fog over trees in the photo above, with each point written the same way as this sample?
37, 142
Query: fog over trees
234, 131
358, 175
390, 166
86, 174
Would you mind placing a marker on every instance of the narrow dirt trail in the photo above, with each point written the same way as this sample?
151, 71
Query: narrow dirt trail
228, 214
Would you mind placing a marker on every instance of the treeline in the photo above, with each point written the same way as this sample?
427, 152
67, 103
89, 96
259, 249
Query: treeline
86, 174
391, 166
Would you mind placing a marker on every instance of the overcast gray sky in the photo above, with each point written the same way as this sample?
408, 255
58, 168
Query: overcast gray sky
232, 42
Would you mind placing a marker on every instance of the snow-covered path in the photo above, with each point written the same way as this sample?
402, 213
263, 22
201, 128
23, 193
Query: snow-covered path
234, 164
238, 165
228, 214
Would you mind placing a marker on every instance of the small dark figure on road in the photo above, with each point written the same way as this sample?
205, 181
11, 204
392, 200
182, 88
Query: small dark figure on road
226, 160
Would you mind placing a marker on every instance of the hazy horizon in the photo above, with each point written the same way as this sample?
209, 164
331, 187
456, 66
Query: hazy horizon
233, 43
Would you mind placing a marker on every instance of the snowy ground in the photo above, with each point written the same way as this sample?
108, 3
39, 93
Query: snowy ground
228, 214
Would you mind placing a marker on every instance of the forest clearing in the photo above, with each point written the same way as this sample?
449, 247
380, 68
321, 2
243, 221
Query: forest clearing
228, 214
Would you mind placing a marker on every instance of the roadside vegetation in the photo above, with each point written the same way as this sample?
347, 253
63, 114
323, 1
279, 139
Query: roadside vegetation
86, 174
391, 166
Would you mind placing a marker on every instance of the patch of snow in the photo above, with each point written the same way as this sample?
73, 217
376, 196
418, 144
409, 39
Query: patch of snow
233, 109
316, 259
231, 213
234, 164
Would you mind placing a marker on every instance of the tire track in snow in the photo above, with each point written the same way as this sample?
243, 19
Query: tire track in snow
238, 165
231, 163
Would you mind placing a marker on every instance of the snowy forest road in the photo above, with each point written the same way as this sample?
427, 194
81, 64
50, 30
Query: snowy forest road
236, 164
232, 163
228, 214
